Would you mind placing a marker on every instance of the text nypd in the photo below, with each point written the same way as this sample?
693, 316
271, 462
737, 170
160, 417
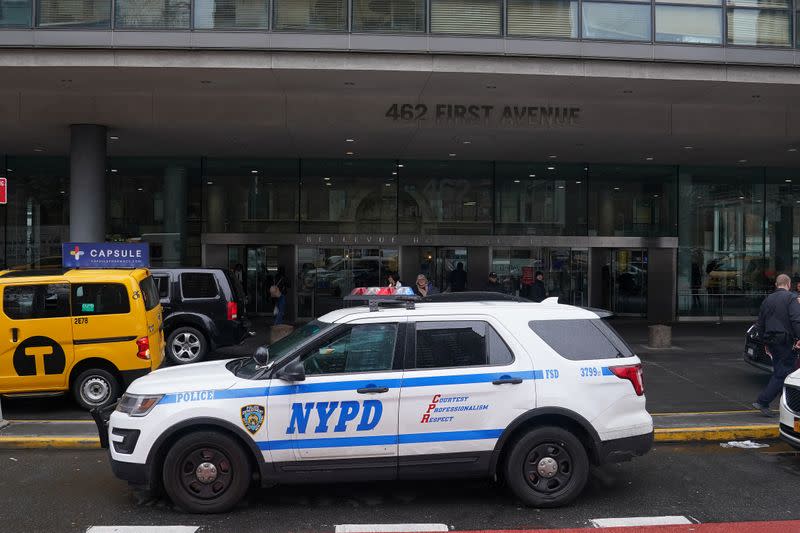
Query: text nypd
338, 415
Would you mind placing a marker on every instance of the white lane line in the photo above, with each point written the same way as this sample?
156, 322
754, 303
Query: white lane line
142, 529
635, 521
390, 528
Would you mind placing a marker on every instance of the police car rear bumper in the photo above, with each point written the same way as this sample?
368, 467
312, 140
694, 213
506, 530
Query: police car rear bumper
624, 449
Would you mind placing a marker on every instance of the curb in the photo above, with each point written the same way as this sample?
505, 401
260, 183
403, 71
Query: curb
64, 443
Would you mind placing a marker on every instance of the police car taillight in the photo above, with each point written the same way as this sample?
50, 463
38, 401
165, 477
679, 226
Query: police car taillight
143, 346
632, 373
233, 310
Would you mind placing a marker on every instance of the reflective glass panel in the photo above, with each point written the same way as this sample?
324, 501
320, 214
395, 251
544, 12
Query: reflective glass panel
545, 18
445, 197
632, 201
161, 14
780, 4
344, 196
73, 13
540, 199
389, 15
15, 13
564, 271
324, 15
471, 17
759, 27
616, 22
688, 25
782, 237
230, 14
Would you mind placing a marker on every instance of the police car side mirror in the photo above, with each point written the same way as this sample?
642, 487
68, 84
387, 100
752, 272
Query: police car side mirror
262, 355
294, 371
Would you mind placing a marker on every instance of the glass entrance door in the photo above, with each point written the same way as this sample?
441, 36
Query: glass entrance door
438, 265
628, 281
564, 270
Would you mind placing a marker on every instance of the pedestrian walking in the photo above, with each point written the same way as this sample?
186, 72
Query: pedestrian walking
458, 278
492, 285
538, 292
779, 326
277, 292
423, 287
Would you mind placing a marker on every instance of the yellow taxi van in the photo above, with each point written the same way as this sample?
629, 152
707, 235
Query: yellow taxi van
88, 332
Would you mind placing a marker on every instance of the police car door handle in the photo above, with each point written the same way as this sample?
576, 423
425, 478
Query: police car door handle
373, 390
507, 380
14, 334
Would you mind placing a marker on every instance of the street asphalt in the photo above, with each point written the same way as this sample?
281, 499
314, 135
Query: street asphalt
61, 491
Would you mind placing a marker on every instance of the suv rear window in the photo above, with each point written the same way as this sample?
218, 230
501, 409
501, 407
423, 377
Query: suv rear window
199, 285
149, 293
580, 340
100, 299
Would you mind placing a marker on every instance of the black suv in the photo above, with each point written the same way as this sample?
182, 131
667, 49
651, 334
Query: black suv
203, 310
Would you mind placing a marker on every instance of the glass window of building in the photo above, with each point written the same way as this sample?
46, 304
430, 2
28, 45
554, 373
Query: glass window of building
230, 14
543, 18
37, 213
321, 15
250, 195
540, 199
616, 21
345, 196
697, 22
445, 198
469, 17
759, 22
721, 267
15, 13
156, 200
95, 14
149, 14
407, 16
632, 201
564, 269
782, 232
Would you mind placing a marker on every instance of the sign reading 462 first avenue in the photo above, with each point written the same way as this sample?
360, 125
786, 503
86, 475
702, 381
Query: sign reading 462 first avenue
105, 255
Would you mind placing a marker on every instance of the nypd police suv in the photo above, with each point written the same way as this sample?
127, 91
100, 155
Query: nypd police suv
533, 393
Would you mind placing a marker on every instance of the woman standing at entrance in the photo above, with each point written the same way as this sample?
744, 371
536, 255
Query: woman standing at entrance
423, 287
277, 292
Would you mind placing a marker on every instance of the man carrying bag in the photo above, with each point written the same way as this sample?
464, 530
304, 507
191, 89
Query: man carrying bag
779, 326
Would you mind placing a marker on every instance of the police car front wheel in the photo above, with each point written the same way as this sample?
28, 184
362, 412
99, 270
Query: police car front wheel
547, 467
206, 472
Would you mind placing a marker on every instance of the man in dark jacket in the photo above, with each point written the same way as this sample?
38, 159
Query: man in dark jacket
538, 292
458, 278
779, 326
493, 285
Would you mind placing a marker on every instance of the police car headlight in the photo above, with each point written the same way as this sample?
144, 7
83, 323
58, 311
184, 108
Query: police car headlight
138, 404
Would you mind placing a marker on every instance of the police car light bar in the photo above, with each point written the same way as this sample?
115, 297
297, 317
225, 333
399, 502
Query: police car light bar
377, 296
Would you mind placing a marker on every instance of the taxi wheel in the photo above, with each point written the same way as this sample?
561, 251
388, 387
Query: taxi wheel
206, 472
547, 467
95, 388
186, 345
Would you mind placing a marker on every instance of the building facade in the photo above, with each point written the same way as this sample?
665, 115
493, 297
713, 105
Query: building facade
642, 155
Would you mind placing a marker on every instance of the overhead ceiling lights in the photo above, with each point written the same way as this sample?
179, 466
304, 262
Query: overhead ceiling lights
326, 179
38, 149
394, 173
209, 183
743, 161
349, 140
560, 186
551, 168
688, 147
254, 171
787, 180
451, 155
578, 182
531, 175
793, 149
348, 153
140, 189
328, 183
648, 158
616, 188
466, 142
400, 165
113, 170
516, 181
114, 137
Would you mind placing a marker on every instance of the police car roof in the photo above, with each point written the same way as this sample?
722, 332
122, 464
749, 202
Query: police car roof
548, 310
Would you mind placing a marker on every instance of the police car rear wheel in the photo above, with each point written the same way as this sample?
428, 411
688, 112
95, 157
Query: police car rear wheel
186, 345
547, 467
206, 472
95, 388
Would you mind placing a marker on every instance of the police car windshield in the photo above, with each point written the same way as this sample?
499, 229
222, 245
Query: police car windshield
248, 368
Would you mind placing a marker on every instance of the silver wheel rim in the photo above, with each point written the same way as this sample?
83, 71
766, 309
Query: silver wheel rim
186, 347
95, 390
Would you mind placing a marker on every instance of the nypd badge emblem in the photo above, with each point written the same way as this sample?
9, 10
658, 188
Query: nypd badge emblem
253, 417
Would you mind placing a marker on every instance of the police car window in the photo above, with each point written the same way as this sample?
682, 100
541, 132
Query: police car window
198, 285
363, 348
149, 293
581, 339
100, 299
451, 344
499, 352
22, 302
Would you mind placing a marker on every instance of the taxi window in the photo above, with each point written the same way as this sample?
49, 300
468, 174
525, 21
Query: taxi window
457, 344
100, 299
149, 293
22, 302
580, 340
362, 348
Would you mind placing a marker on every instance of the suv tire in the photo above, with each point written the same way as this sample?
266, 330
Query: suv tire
95, 388
206, 472
186, 345
547, 467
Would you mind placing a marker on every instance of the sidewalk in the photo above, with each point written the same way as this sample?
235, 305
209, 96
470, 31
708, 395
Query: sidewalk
700, 389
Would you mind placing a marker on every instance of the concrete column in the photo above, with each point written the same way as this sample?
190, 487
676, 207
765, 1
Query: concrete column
87, 187
215, 209
661, 285
176, 191
479, 263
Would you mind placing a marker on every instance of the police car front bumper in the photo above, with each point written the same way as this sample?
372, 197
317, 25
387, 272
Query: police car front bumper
133, 473
624, 449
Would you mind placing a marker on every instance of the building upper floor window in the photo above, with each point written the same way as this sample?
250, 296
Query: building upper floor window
95, 14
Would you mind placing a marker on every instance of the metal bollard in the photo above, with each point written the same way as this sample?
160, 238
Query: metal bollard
660, 336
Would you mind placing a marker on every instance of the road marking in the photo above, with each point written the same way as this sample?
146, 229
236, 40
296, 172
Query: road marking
142, 529
390, 528
641, 521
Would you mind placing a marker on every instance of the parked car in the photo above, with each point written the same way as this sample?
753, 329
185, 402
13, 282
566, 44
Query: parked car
204, 309
754, 352
790, 410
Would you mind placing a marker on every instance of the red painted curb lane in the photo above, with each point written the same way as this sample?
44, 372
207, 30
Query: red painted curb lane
790, 526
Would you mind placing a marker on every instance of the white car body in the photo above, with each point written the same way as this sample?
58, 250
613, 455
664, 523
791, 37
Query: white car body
790, 410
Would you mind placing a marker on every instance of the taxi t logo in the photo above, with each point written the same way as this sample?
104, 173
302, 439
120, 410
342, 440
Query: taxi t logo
348, 412
39, 355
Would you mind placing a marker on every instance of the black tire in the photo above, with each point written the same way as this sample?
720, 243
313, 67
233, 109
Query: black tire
547, 467
95, 387
228, 480
186, 345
